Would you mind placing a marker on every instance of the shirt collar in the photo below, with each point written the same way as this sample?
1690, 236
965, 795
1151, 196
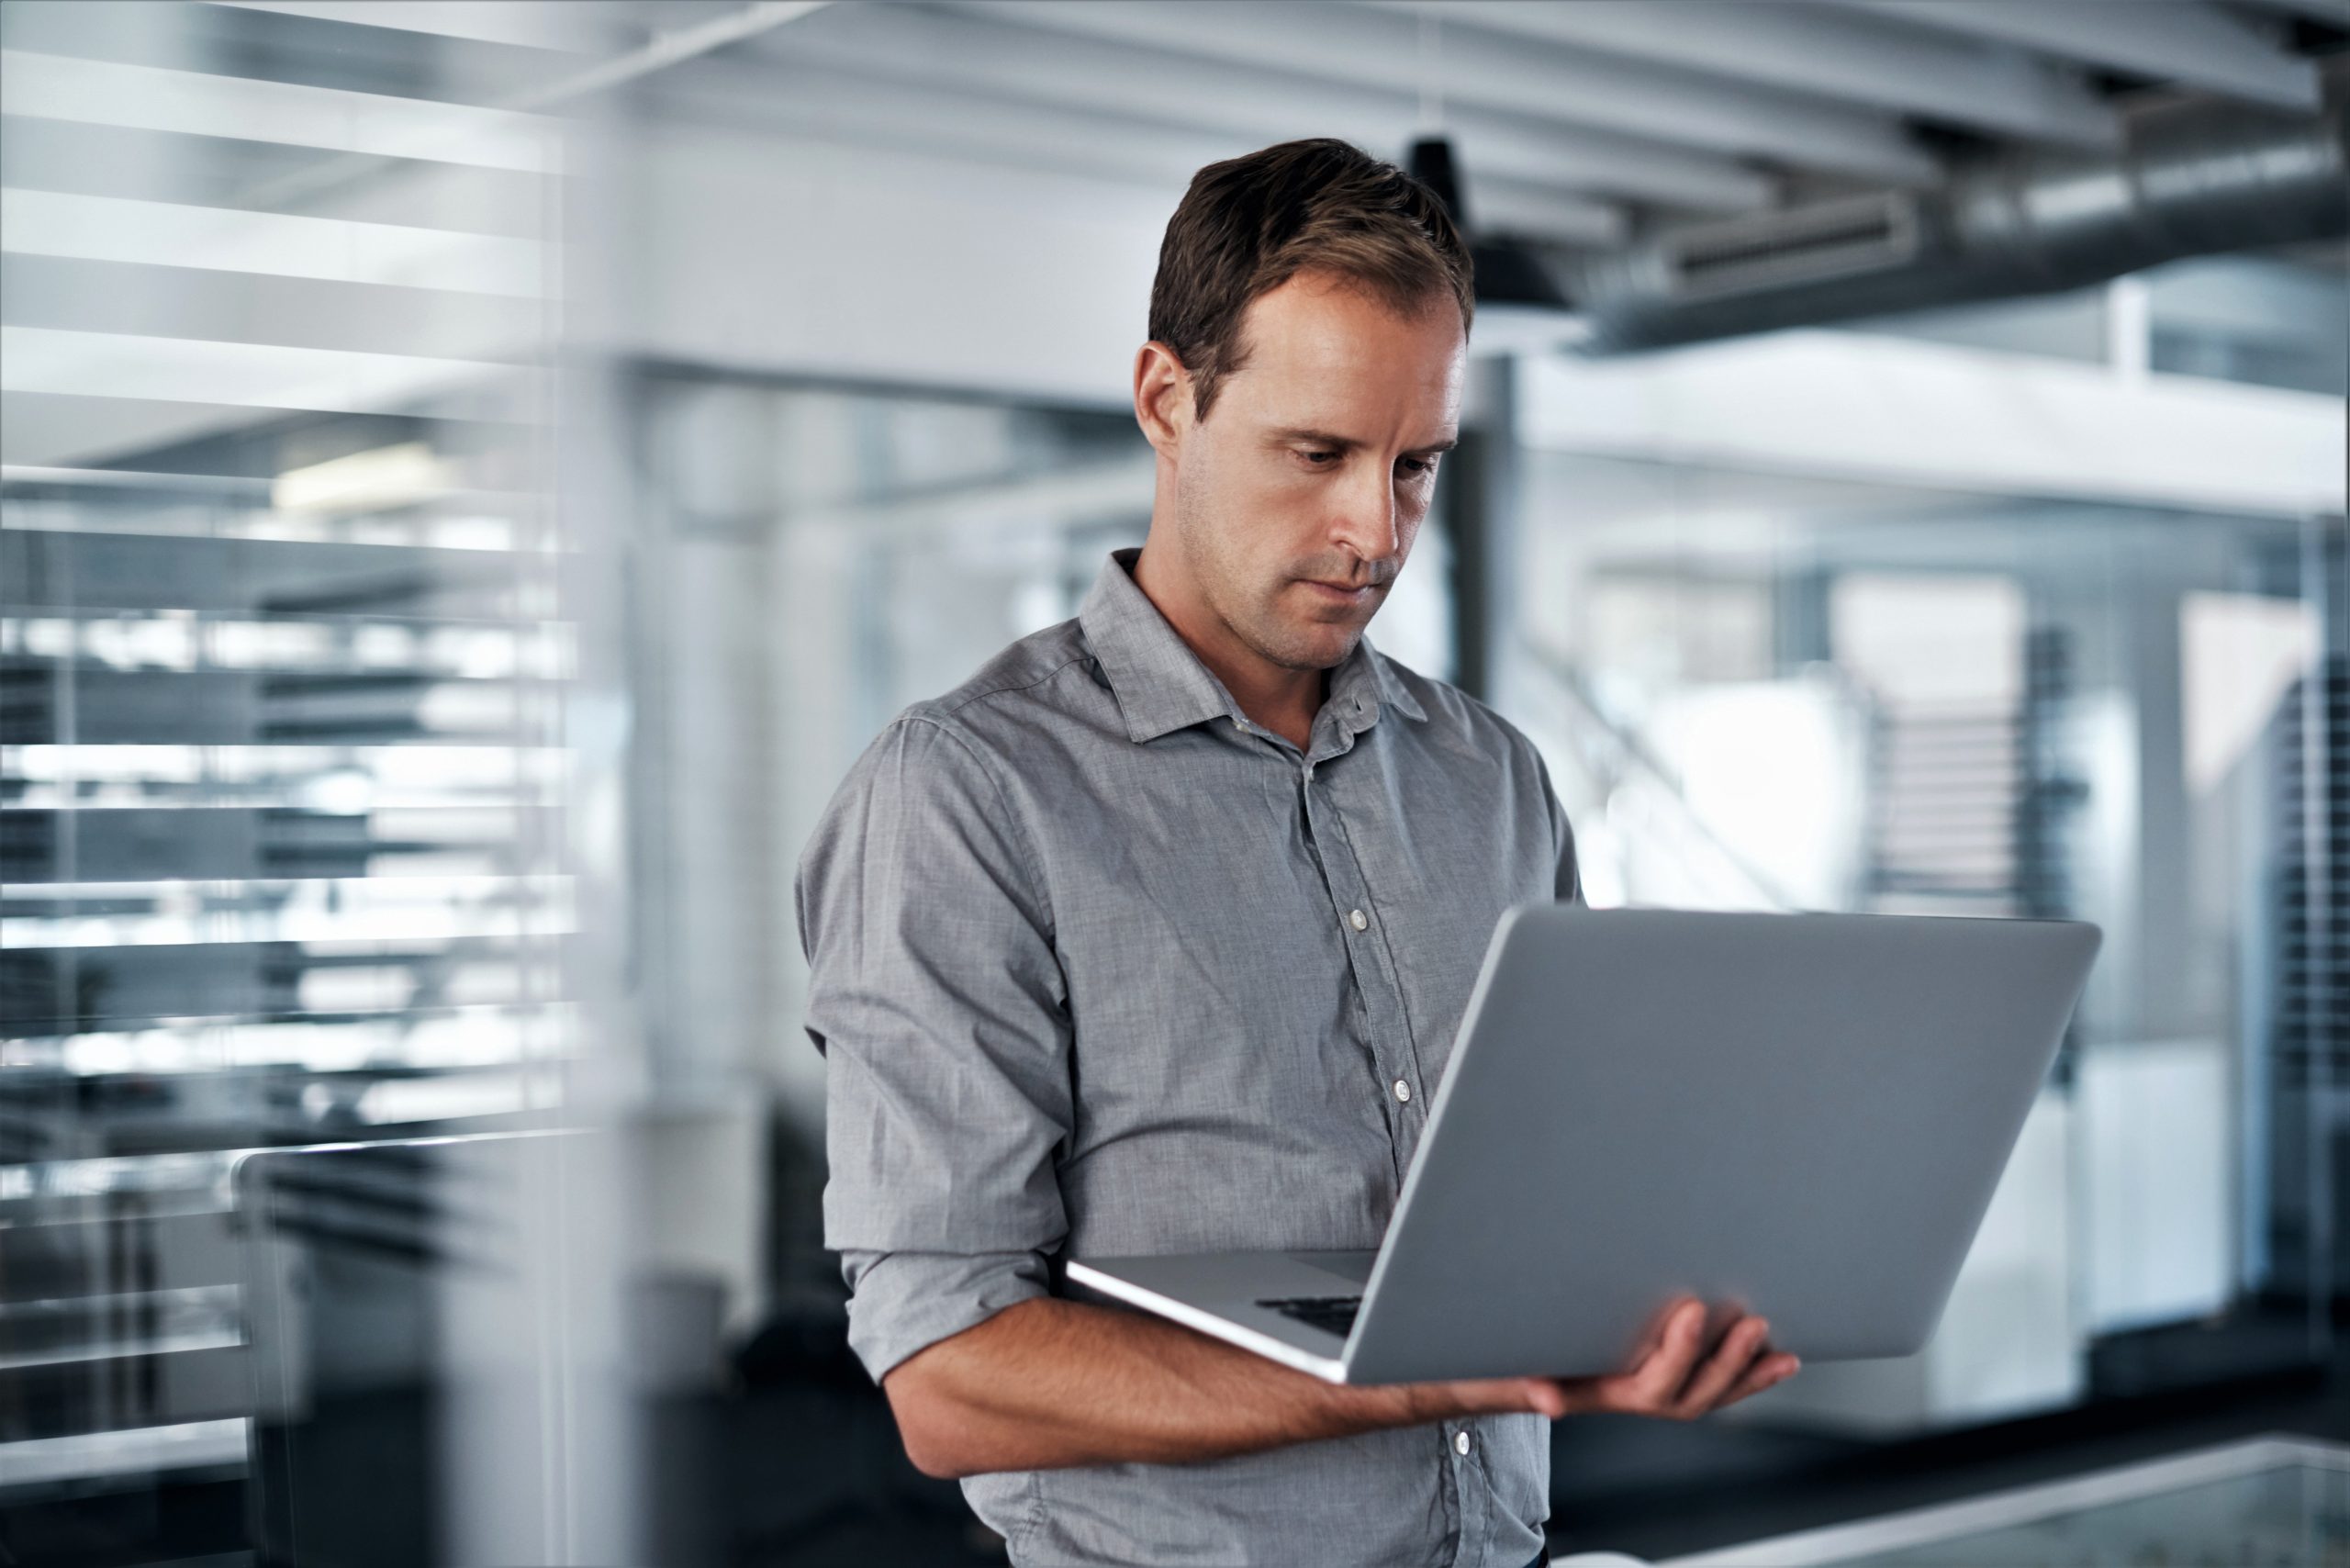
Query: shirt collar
1160, 684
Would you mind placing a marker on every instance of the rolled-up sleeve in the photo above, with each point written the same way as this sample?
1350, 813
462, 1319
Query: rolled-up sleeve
902, 1302
942, 1011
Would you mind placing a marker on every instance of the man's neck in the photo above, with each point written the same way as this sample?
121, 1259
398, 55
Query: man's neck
1274, 696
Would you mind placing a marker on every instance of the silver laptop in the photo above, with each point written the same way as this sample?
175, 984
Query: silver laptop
1802, 1115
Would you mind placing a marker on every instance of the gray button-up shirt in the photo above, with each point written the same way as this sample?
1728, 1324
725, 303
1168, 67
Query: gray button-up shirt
1101, 966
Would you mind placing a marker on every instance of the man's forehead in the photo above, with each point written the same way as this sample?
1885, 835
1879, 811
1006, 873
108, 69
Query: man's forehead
1333, 387
1330, 308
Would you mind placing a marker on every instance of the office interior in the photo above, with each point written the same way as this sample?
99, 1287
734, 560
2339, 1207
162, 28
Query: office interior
474, 474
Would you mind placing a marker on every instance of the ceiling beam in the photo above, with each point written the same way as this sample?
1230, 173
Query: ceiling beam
671, 46
1116, 82
2177, 41
818, 101
1843, 57
824, 103
1367, 47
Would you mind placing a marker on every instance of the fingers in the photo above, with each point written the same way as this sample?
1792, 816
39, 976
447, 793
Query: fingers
1732, 1360
1768, 1372
1677, 1381
1659, 1326
1651, 1385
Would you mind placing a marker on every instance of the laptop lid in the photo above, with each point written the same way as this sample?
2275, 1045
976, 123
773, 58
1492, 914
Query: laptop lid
1804, 1115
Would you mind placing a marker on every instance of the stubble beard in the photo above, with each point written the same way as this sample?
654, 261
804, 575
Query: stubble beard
1246, 609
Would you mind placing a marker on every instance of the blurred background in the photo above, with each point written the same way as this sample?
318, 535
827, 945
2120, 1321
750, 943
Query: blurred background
473, 476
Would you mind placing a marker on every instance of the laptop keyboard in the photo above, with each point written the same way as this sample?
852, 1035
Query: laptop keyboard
1333, 1314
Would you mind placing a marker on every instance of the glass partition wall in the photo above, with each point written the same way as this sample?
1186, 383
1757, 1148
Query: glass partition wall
284, 672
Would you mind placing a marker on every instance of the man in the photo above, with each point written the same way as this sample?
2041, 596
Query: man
1153, 937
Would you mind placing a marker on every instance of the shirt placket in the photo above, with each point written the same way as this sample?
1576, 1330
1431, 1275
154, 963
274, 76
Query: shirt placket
1378, 996
1363, 928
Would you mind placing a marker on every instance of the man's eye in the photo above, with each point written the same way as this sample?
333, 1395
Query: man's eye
1319, 459
1413, 468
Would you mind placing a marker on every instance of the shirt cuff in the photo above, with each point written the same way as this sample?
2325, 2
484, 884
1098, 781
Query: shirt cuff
903, 1302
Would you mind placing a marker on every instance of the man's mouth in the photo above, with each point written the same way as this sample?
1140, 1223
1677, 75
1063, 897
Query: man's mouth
1338, 593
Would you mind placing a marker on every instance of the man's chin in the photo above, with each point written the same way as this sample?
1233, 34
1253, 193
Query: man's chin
1319, 645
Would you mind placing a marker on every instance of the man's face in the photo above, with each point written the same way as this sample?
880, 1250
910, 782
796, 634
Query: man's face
1299, 494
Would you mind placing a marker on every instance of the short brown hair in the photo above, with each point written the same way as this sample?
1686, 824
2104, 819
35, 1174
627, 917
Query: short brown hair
1249, 225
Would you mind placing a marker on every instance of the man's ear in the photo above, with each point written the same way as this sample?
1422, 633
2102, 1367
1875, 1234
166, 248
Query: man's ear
1162, 398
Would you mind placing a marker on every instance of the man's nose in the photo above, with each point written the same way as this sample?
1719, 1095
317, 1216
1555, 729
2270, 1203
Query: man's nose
1366, 521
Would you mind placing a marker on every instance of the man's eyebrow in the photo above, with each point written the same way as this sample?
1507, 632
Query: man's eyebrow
1348, 443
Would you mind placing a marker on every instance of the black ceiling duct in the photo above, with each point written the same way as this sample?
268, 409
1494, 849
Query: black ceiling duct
2196, 174
1506, 274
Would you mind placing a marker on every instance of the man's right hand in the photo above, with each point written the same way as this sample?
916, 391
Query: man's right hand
1672, 1379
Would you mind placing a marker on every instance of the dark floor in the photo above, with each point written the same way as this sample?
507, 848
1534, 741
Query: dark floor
1731, 1482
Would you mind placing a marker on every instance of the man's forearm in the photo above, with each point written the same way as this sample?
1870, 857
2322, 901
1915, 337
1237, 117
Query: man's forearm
1050, 1382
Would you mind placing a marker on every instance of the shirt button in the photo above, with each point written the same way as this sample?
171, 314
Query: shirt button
1403, 1092
1461, 1444
1359, 920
